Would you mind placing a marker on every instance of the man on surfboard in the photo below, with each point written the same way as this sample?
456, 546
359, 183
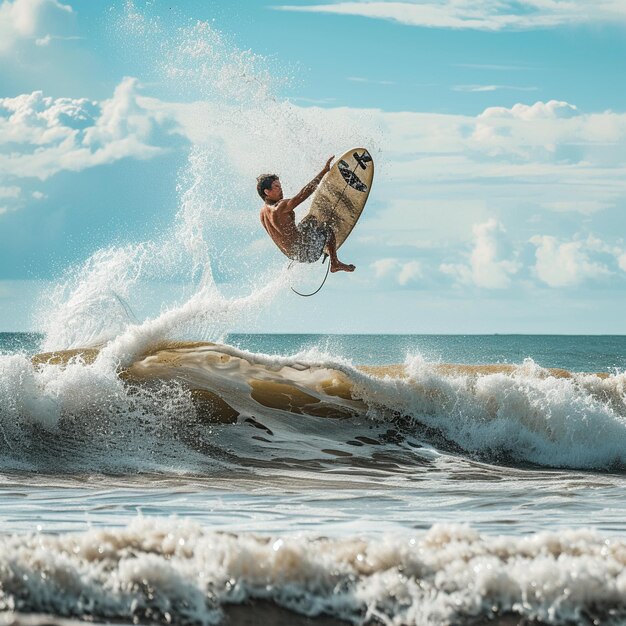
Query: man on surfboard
304, 242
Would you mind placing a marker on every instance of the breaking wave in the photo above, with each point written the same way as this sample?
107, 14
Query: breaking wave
178, 402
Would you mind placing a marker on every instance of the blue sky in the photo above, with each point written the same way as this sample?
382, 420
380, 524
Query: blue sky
499, 131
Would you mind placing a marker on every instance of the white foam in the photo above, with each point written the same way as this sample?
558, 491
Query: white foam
207, 315
526, 416
83, 417
175, 571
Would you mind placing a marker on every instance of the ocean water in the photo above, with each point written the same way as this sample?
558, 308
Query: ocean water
161, 469
404, 491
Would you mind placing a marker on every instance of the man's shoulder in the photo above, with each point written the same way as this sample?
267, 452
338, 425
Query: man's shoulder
280, 206
283, 205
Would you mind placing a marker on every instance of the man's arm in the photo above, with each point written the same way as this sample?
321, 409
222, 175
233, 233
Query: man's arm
291, 203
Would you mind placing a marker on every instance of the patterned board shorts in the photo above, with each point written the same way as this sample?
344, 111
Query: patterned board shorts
313, 238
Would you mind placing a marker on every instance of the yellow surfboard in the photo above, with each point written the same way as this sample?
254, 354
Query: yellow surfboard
341, 196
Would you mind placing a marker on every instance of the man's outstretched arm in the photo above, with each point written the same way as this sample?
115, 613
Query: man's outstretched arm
308, 189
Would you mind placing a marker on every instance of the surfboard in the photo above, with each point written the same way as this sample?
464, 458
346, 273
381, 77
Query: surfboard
341, 196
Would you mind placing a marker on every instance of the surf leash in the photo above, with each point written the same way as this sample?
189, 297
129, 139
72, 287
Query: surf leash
308, 295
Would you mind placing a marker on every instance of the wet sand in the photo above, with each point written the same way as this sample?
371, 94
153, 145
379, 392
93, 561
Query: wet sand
267, 613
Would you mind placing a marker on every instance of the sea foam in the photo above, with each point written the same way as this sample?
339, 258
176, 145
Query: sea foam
173, 571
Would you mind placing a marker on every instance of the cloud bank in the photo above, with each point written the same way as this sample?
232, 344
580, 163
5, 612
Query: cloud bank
41, 136
487, 15
38, 21
449, 184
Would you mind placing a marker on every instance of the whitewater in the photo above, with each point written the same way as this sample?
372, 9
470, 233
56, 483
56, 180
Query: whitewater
163, 469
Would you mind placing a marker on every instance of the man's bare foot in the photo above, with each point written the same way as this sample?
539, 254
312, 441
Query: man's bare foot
341, 267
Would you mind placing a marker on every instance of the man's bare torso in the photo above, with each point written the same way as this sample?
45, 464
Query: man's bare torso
281, 227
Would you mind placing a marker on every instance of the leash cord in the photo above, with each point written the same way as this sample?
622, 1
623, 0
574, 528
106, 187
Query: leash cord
308, 295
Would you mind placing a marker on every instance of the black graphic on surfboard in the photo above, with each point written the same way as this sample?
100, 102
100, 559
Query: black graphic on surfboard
362, 159
350, 177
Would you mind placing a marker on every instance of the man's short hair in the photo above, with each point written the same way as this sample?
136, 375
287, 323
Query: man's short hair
263, 182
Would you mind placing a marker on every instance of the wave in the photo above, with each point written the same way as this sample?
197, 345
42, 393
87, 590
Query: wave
138, 404
174, 571
174, 401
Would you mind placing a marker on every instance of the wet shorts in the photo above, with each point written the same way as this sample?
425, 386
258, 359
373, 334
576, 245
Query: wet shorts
313, 237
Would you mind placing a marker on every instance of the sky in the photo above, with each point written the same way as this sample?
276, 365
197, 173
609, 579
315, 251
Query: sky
498, 130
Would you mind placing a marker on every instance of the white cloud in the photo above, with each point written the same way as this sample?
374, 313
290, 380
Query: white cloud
44, 136
540, 110
9, 192
550, 131
14, 198
10, 198
474, 88
434, 179
484, 88
402, 272
566, 264
38, 20
487, 268
48, 39
382, 267
490, 15
409, 272
369, 81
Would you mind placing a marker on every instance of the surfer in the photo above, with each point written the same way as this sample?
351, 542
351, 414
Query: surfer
304, 242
